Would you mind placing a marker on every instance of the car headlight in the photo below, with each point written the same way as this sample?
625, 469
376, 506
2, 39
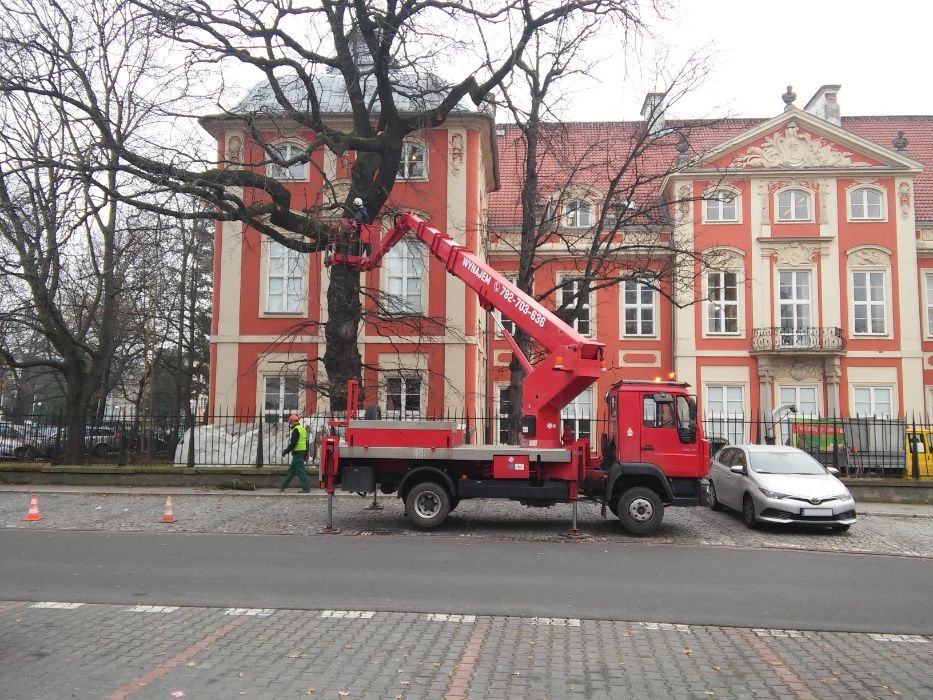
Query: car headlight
844, 496
772, 494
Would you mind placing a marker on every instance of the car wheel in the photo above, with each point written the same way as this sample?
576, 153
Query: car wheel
428, 504
748, 512
711, 499
841, 528
640, 510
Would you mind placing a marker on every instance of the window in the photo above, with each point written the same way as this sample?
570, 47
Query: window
570, 290
868, 305
505, 407
281, 396
794, 301
404, 268
403, 397
872, 401
578, 213
722, 206
793, 205
577, 415
284, 280
638, 303
506, 323
725, 413
412, 164
285, 152
723, 303
658, 414
866, 204
804, 398
928, 277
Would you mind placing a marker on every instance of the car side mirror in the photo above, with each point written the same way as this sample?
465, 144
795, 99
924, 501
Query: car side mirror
833, 471
737, 469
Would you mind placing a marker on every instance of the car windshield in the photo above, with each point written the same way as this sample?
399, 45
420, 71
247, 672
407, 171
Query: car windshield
784, 463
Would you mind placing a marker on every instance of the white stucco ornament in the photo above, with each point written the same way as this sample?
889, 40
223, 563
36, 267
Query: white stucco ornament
793, 149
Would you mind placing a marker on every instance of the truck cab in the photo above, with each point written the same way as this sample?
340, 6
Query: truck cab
654, 453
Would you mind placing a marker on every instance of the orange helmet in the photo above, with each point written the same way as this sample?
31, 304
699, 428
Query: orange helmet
293, 418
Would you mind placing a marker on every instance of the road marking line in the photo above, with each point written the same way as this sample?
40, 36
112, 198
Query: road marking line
57, 606
251, 612
556, 621
666, 626
793, 682
780, 633
911, 638
153, 609
349, 614
445, 617
462, 675
138, 684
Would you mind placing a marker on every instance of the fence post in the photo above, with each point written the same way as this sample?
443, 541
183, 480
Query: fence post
57, 446
122, 456
190, 461
835, 430
914, 457
259, 448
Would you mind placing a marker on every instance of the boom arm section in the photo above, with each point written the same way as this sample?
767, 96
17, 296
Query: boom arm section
573, 362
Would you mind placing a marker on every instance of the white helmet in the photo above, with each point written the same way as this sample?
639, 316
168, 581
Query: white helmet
357, 202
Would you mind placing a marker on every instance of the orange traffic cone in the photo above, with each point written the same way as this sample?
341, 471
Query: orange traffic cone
33, 515
169, 515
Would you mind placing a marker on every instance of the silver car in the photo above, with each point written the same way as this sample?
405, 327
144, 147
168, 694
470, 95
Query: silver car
777, 484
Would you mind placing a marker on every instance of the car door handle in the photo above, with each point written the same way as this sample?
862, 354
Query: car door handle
647, 448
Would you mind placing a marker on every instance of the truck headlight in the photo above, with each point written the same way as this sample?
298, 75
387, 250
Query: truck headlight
772, 494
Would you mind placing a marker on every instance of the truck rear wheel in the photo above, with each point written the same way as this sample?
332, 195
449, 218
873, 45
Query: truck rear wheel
427, 504
640, 510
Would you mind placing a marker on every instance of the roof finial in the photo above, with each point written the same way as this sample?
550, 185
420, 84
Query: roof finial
900, 142
789, 98
682, 147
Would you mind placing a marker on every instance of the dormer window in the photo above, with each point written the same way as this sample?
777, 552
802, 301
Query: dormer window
412, 165
721, 206
794, 206
866, 204
578, 213
282, 166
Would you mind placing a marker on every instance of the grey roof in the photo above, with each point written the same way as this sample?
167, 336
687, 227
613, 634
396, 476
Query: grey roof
414, 92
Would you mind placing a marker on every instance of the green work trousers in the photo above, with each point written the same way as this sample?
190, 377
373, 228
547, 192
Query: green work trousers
297, 468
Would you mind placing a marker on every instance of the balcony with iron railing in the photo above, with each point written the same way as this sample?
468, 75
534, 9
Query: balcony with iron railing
807, 339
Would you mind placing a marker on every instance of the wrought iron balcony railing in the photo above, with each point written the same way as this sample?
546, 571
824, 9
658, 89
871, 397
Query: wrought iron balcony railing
808, 338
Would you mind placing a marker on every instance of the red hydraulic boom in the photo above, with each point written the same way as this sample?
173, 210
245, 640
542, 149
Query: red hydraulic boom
573, 362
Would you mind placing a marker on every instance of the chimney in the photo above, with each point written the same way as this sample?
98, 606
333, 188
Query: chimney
824, 104
652, 109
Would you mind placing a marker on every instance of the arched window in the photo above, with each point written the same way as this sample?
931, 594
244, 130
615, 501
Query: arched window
578, 213
280, 166
412, 166
722, 206
866, 204
794, 205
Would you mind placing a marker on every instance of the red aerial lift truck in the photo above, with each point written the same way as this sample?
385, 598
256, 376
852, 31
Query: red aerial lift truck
653, 454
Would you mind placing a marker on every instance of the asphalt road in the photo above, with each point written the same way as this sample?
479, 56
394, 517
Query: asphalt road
588, 580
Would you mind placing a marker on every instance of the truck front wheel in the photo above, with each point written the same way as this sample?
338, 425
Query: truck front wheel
640, 510
428, 504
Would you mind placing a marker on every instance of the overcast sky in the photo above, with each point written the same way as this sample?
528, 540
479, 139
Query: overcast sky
879, 52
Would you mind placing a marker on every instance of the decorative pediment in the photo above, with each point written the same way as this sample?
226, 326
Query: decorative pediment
795, 149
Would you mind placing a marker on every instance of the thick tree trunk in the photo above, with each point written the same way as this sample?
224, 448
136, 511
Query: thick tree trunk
342, 357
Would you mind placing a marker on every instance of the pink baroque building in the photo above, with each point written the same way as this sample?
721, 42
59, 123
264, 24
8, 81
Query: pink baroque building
821, 226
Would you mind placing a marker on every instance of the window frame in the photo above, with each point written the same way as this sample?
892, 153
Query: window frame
872, 389
800, 336
882, 201
408, 249
928, 302
869, 303
404, 413
811, 206
277, 172
578, 202
269, 248
710, 306
502, 428
735, 423
638, 308
506, 322
582, 403
715, 197
282, 412
590, 319
405, 162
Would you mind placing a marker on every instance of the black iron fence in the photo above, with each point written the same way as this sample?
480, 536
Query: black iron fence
857, 446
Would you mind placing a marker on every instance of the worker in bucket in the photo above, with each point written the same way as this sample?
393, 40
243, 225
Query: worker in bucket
360, 217
298, 446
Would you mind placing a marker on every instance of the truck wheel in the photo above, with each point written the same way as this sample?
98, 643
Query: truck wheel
640, 510
428, 504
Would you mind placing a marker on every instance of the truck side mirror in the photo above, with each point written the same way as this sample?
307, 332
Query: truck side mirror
687, 432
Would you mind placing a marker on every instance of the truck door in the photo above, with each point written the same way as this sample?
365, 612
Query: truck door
665, 434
